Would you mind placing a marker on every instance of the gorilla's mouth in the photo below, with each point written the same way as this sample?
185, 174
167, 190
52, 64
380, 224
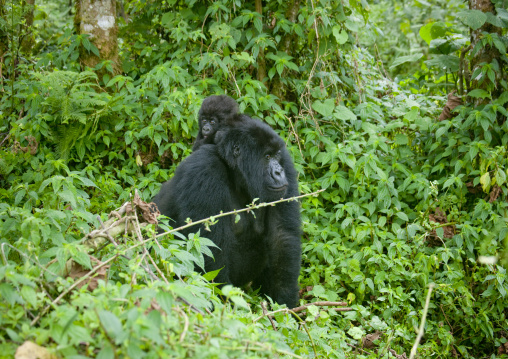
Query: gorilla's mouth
278, 189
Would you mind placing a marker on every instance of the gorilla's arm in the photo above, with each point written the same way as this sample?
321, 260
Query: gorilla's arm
198, 190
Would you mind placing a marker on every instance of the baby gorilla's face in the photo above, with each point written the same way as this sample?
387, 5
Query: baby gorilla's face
209, 126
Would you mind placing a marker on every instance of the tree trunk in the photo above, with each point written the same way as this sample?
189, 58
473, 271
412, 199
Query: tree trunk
487, 54
3, 34
286, 45
98, 19
28, 40
261, 74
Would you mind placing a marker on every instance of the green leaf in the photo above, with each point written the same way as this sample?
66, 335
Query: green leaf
106, 352
111, 323
500, 177
403, 59
209, 276
29, 295
83, 259
324, 108
340, 35
472, 18
449, 182
356, 332
441, 131
485, 181
449, 62
402, 216
401, 139
344, 114
478, 93
425, 32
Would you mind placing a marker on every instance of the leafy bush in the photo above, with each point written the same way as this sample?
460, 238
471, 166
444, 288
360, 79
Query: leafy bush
407, 199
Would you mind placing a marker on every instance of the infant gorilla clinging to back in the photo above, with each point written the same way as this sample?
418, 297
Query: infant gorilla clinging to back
216, 112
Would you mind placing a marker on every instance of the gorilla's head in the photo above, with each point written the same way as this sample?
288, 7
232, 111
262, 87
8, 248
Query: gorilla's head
257, 157
213, 112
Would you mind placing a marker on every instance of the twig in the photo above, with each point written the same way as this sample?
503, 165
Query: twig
321, 304
185, 324
8, 135
360, 349
306, 329
422, 324
4, 257
111, 239
137, 230
247, 209
265, 312
306, 306
74, 285
295, 134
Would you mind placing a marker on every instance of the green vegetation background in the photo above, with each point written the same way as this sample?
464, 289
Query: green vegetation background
408, 200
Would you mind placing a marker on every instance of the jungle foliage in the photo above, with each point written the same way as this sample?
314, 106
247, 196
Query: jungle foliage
355, 88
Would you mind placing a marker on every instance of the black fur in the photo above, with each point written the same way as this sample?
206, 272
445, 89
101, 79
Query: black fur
248, 161
213, 114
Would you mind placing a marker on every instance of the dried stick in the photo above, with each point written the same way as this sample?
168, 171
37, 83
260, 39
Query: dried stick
265, 312
422, 324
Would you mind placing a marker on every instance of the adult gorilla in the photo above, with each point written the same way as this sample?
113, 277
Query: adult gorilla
248, 161
212, 116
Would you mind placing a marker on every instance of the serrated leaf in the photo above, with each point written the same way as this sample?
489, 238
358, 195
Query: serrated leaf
344, 114
29, 295
340, 35
472, 18
356, 332
500, 177
478, 93
165, 300
402, 216
87, 182
448, 182
211, 275
258, 24
403, 59
239, 301
401, 139
441, 131
324, 108
485, 181
83, 259
425, 33
111, 323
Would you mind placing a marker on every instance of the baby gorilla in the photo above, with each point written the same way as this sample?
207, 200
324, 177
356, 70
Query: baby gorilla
212, 116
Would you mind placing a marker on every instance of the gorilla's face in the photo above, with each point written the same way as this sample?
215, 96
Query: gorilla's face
256, 153
209, 126
214, 111
274, 174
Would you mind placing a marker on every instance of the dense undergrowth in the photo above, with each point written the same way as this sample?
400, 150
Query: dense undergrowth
408, 200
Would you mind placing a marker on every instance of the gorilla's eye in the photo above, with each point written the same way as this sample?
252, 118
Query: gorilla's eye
236, 150
212, 122
267, 157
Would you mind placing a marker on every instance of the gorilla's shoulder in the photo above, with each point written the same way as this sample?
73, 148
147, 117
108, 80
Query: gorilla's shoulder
203, 161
